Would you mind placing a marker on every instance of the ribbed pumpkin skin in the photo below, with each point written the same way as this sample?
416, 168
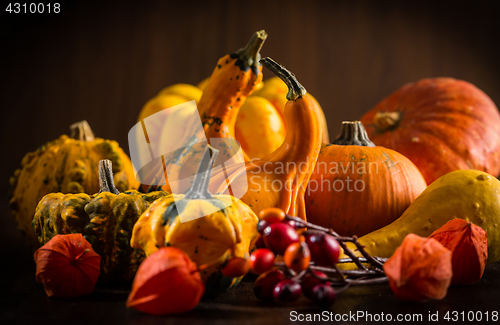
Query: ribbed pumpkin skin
106, 220
205, 239
357, 201
60, 214
64, 165
112, 218
445, 125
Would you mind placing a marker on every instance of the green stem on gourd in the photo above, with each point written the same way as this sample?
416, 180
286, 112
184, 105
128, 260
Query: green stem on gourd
81, 131
199, 189
249, 56
295, 89
353, 134
106, 182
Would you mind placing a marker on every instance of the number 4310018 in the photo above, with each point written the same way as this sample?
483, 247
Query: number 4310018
33, 8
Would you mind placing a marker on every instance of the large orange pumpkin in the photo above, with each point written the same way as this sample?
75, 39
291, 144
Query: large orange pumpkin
441, 125
356, 187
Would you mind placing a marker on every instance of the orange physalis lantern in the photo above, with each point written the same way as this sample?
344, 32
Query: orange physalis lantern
67, 266
469, 245
166, 282
419, 269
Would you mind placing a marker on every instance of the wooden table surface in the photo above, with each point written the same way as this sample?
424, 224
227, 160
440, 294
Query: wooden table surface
23, 300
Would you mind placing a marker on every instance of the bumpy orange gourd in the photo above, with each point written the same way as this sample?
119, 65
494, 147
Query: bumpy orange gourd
232, 81
66, 165
441, 125
357, 187
280, 180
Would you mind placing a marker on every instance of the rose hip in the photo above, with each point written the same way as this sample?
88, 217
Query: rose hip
278, 236
264, 285
297, 256
261, 225
323, 295
261, 260
325, 249
309, 281
287, 291
272, 215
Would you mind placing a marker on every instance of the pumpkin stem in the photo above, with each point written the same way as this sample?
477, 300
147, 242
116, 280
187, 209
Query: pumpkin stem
249, 56
81, 131
295, 89
106, 182
199, 189
353, 134
386, 120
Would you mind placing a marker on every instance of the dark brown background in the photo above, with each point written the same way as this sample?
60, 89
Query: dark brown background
102, 60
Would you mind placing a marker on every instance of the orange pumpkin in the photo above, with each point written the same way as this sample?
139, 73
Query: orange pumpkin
357, 187
441, 125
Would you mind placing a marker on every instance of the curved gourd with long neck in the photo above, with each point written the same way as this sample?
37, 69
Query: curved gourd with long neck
232, 81
280, 180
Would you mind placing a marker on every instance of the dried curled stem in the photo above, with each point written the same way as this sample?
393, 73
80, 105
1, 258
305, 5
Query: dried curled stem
345, 278
81, 131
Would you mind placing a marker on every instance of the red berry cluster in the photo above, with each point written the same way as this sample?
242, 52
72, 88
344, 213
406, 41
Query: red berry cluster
306, 253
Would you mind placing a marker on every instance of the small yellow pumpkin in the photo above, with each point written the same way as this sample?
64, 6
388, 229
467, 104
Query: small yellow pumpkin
206, 227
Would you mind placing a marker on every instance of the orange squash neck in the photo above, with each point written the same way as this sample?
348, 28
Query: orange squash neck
302, 117
233, 80
224, 95
304, 136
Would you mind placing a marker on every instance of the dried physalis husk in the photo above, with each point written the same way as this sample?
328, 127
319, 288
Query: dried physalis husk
469, 246
419, 269
67, 266
167, 282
